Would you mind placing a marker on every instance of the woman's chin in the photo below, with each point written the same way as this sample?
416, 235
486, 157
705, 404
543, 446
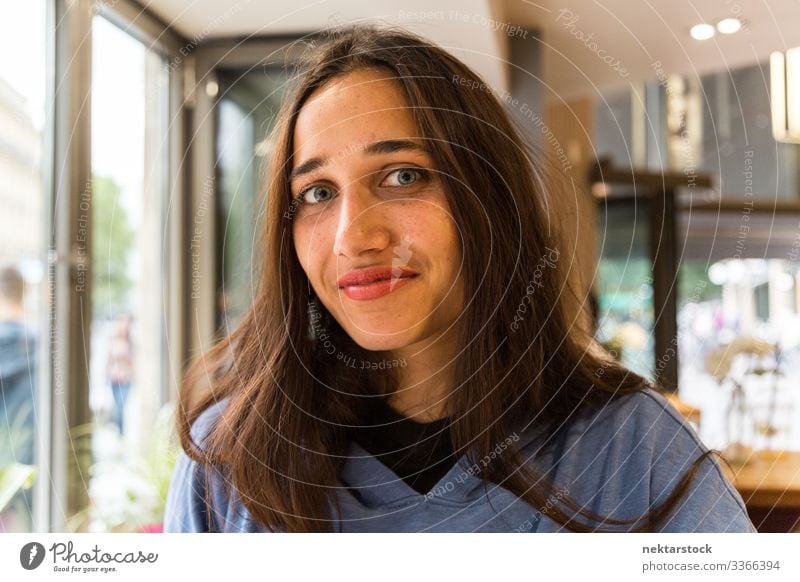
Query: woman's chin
384, 341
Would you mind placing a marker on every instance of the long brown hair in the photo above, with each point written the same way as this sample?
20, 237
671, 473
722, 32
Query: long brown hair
282, 438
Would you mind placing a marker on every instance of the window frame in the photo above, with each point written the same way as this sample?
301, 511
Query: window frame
246, 54
63, 385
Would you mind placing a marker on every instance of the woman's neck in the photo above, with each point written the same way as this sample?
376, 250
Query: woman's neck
427, 378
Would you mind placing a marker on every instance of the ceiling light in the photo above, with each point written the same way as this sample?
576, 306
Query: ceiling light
729, 25
702, 31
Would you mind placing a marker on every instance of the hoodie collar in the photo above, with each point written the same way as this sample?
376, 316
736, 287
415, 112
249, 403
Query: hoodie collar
377, 485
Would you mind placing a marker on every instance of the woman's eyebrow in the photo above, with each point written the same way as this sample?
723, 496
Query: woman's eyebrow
386, 146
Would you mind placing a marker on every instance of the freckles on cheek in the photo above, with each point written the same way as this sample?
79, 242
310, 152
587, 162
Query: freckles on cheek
434, 229
312, 245
431, 231
303, 246
319, 242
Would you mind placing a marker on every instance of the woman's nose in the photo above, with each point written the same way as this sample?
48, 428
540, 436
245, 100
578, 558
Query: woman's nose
362, 224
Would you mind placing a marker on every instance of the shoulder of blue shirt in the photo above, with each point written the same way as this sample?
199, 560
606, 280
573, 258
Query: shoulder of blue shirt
641, 423
641, 438
644, 415
185, 507
650, 409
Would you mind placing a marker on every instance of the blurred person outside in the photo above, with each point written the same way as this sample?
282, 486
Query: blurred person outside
119, 369
17, 393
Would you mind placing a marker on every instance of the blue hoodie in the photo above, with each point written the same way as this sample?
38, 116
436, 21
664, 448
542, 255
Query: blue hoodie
617, 462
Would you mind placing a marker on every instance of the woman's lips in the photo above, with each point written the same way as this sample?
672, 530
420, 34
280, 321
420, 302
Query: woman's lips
367, 275
376, 289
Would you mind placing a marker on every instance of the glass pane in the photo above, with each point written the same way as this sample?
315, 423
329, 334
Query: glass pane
730, 313
129, 151
625, 284
23, 241
246, 111
237, 187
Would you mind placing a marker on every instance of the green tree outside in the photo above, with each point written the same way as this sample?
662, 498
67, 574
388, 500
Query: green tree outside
112, 240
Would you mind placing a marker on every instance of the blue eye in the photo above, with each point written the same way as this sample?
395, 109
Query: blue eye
406, 176
401, 177
315, 192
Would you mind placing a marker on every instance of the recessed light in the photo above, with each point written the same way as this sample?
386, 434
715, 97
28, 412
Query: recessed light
729, 25
702, 31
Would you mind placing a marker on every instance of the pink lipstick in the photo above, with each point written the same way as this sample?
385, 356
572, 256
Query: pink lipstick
374, 282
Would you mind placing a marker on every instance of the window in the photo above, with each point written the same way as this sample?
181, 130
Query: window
625, 284
23, 244
737, 248
248, 103
127, 365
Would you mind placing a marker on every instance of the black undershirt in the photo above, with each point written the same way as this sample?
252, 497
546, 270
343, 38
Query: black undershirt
401, 445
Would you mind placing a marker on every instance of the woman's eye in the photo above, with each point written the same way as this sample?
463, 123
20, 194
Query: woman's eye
316, 194
404, 176
400, 177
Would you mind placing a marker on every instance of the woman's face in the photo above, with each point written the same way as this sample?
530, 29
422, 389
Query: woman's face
372, 227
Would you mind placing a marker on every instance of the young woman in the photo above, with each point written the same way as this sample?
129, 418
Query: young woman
409, 362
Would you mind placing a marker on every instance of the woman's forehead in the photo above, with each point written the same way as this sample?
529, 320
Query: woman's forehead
349, 112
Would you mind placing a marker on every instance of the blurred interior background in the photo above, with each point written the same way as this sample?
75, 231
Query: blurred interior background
132, 136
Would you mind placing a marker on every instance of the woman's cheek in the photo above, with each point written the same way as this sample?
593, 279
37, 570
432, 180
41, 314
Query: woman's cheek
307, 248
